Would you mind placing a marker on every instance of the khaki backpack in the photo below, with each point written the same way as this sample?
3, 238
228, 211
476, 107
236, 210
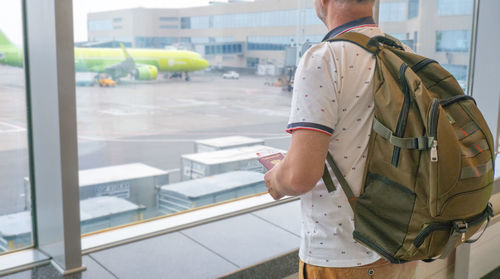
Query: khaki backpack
429, 172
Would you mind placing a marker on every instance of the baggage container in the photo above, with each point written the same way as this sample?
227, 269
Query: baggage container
204, 191
15, 231
200, 165
106, 212
215, 144
95, 214
135, 182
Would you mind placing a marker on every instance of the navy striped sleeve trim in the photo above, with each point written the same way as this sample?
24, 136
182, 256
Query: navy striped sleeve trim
309, 126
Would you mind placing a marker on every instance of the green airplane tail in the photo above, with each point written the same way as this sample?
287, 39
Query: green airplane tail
3, 40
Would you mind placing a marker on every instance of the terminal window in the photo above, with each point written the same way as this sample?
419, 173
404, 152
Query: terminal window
15, 190
455, 7
174, 121
453, 40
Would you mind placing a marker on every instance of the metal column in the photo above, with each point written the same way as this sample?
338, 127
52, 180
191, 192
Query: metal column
485, 88
52, 112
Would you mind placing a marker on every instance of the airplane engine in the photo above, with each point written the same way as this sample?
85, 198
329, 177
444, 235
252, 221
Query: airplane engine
146, 72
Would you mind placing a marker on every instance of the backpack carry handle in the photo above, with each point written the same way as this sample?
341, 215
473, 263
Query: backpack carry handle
375, 41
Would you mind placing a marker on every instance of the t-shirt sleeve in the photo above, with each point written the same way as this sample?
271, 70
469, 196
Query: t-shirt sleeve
314, 102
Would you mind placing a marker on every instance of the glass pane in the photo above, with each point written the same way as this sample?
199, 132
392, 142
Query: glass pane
438, 29
175, 120
15, 214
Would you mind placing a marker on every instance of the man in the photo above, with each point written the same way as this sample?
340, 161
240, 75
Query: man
332, 111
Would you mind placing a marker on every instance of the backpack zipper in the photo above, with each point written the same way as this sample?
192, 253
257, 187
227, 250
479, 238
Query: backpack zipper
447, 102
419, 240
433, 125
403, 116
422, 64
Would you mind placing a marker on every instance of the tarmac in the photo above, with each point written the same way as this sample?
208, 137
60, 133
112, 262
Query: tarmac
151, 122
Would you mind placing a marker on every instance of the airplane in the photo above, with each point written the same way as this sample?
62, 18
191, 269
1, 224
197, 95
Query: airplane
142, 64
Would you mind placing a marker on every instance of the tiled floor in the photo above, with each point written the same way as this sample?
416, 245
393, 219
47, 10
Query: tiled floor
207, 251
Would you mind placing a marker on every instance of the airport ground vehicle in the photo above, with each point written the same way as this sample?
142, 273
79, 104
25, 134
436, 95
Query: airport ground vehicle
231, 75
105, 81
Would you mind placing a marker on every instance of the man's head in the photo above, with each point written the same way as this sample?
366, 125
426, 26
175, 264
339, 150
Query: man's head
330, 11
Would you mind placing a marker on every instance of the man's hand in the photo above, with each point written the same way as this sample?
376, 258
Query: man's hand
302, 166
272, 191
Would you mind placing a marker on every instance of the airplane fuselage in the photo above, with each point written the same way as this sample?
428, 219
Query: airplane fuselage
100, 59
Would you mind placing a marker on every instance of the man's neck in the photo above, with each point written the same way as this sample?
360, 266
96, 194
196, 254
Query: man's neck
348, 14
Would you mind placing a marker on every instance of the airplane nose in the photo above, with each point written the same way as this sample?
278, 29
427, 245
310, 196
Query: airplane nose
204, 63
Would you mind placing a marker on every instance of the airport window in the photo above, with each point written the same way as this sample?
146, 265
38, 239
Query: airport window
100, 25
269, 42
127, 41
453, 40
100, 39
154, 42
224, 39
412, 9
448, 47
147, 136
163, 18
270, 18
185, 23
166, 140
15, 197
169, 27
252, 62
392, 11
200, 40
455, 7
200, 22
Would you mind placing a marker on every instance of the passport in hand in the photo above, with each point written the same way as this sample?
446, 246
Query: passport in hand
270, 161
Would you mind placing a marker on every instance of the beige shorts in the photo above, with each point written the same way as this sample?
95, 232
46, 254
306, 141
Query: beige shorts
380, 269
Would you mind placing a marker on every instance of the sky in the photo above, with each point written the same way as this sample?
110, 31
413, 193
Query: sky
10, 13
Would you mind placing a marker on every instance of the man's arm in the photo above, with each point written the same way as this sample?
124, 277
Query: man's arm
302, 167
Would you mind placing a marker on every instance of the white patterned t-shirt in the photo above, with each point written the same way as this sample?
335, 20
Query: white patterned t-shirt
333, 94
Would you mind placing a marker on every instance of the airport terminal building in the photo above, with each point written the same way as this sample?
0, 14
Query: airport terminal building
232, 35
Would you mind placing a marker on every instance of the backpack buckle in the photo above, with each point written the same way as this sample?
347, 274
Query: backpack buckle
461, 228
489, 209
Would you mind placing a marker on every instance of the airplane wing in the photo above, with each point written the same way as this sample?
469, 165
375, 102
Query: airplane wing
124, 68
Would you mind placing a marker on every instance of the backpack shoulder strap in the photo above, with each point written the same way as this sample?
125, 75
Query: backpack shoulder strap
343, 183
358, 39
